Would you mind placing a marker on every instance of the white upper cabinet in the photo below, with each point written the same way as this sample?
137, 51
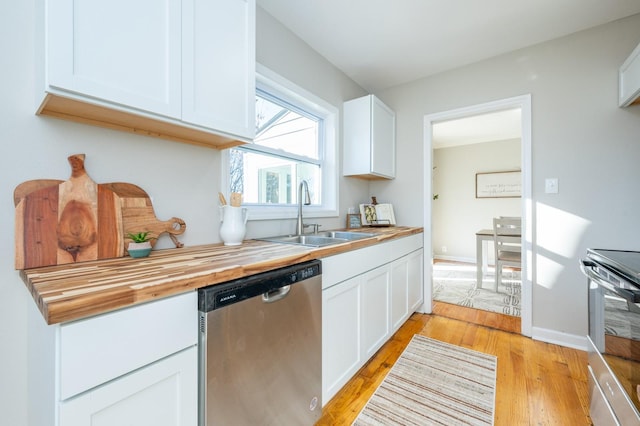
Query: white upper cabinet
176, 69
218, 82
630, 80
369, 139
125, 52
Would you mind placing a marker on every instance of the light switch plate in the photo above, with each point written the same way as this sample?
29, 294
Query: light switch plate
551, 185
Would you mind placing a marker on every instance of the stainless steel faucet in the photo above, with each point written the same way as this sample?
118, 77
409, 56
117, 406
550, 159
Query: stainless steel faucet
307, 201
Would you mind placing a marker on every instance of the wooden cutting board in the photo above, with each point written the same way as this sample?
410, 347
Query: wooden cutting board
60, 222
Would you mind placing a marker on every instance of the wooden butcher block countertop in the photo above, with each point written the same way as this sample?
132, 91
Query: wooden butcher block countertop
70, 292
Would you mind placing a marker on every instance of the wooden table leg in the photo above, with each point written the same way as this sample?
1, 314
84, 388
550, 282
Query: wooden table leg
479, 261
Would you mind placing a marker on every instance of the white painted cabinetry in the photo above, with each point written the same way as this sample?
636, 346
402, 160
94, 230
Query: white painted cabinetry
125, 52
218, 79
629, 90
137, 365
406, 287
177, 69
367, 294
369, 139
341, 342
375, 310
163, 393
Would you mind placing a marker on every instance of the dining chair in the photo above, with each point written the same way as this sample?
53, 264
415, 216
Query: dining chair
507, 242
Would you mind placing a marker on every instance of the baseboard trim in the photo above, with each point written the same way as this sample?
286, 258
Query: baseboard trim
573, 341
455, 259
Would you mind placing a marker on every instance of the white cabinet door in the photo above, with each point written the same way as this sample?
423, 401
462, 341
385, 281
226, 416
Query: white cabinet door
399, 293
406, 288
341, 354
415, 282
121, 51
383, 146
375, 310
629, 76
369, 139
219, 65
164, 393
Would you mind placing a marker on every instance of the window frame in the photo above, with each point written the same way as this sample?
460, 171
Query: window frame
272, 83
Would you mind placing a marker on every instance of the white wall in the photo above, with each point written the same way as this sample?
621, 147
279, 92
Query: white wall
182, 179
457, 213
579, 136
284, 53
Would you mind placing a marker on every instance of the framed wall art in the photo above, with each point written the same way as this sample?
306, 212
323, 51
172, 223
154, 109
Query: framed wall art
499, 184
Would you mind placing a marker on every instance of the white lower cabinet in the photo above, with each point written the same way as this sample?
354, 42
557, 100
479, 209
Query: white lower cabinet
134, 366
415, 280
367, 295
161, 394
341, 354
375, 310
406, 287
399, 293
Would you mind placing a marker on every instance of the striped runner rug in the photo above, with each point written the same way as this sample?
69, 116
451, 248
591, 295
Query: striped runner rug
434, 383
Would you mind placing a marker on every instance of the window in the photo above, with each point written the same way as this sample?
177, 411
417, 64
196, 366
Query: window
295, 141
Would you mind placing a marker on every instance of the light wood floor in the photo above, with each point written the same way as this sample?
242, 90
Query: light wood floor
537, 383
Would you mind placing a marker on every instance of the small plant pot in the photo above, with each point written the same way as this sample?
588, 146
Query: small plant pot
139, 249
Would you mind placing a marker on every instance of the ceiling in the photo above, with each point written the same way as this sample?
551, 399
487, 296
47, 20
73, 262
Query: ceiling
490, 127
384, 43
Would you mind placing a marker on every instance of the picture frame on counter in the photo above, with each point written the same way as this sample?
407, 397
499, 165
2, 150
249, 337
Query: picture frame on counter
377, 214
354, 221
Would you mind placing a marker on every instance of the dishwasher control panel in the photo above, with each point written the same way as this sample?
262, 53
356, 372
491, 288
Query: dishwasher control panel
220, 295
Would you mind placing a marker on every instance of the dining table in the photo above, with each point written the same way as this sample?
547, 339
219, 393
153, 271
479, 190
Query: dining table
483, 236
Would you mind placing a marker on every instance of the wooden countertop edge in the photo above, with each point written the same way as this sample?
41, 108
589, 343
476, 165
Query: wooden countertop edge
70, 292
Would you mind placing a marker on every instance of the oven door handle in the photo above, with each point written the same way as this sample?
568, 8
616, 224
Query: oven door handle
588, 268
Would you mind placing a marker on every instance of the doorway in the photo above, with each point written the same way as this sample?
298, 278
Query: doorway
523, 105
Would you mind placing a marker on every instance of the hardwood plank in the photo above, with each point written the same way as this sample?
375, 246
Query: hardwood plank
537, 383
476, 316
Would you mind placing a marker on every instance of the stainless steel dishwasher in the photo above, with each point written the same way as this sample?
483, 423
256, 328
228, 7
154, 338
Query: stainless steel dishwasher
260, 348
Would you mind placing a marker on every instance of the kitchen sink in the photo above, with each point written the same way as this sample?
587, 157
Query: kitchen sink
306, 240
320, 239
346, 235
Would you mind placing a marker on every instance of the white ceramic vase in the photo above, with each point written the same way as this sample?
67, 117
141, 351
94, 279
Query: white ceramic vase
233, 227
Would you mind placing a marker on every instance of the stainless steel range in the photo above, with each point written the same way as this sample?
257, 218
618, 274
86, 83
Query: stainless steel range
614, 335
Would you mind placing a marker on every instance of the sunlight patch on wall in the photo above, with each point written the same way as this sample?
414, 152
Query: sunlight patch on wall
558, 237
552, 271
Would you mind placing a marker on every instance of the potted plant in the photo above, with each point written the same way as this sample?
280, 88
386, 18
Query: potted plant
140, 245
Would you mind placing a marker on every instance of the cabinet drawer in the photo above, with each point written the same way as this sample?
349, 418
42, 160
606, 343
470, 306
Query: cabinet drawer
343, 266
164, 393
98, 349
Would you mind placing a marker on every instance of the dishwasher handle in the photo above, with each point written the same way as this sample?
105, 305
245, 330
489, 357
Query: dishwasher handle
274, 295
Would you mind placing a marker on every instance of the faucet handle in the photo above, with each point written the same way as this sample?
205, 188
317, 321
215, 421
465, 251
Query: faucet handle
314, 225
